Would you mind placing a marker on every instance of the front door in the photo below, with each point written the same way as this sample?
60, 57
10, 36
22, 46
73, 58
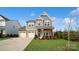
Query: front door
39, 32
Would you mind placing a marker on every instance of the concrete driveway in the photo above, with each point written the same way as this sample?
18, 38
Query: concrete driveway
14, 44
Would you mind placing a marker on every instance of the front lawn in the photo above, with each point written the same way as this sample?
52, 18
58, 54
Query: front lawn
50, 45
4, 38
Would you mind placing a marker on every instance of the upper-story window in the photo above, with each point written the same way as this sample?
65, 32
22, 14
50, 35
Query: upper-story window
2, 23
47, 23
38, 23
32, 25
29, 25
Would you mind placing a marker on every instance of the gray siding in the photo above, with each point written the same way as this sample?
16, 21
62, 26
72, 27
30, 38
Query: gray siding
12, 27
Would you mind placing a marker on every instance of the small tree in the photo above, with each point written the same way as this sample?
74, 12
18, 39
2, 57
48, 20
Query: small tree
68, 22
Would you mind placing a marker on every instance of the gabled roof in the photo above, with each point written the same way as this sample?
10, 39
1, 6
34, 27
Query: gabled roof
42, 16
39, 18
30, 21
22, 28
45, 16
43, 13
6, 19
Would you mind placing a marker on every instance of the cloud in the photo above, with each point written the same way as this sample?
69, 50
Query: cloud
69, 20
58, 24
74, 13
32, 14
53, 18
66, 20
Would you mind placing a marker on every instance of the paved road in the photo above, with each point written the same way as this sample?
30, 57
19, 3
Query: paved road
14, 44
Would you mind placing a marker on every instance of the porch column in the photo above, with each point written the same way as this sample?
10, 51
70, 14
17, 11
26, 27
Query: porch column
53, 33
37, 32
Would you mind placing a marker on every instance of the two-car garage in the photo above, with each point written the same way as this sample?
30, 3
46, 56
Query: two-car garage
24, 33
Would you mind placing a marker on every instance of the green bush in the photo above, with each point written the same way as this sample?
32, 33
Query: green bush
12, 35
65, 35
3, 36
74, 36
58, 35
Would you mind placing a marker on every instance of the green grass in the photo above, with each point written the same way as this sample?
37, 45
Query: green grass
4, 38
50, 45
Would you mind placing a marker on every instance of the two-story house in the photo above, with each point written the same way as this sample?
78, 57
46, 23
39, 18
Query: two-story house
41, 27
8, 26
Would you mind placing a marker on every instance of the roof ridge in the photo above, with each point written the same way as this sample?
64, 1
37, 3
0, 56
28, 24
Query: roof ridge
4, 17
44, 13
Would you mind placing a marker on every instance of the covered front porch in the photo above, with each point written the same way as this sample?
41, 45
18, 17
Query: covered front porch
44, 33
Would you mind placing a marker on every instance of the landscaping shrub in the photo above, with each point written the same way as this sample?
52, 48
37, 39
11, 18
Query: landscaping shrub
12, 35
74, 36
3, 36
65, 35
58, 35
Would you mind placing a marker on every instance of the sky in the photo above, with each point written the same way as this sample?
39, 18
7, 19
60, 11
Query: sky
23, 14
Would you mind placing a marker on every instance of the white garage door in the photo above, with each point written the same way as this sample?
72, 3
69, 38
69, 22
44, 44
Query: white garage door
32, 35
22, 35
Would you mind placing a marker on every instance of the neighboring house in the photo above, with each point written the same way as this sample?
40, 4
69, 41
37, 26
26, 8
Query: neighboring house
41, 27
8, 26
